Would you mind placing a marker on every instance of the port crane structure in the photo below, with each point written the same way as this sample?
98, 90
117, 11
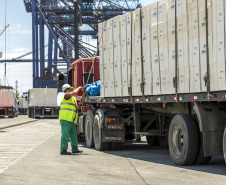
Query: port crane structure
67, 22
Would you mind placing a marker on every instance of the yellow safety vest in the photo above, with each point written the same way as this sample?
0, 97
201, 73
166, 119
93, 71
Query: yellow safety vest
68, 110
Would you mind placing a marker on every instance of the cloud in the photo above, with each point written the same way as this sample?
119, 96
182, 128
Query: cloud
21, 50
16, 52
19, 29
23, 75
23, 31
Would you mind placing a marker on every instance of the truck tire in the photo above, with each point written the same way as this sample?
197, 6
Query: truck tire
200, 159
224, 144
89, 129
98, 120
183, 140
80, 137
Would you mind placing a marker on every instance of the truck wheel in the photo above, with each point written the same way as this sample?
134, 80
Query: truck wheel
224, 144
89, 129
98, 120
200, 159
116, 146
183, 137
80, 137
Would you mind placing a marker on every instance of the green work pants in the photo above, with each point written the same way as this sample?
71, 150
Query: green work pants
68, 130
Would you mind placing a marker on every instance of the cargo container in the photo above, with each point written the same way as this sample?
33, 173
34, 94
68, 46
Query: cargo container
23, 106
162, 71
42, 103
7, 104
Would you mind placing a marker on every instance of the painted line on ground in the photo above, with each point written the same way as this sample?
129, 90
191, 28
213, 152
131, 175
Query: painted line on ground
2, 170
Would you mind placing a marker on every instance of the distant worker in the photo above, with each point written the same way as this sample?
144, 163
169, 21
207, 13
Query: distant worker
68, 117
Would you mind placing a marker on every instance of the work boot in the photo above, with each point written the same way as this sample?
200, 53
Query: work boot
65, 152
76, 152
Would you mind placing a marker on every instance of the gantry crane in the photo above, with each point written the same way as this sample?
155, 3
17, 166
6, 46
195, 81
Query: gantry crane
1, 34
4, 29
4, 77
67, 21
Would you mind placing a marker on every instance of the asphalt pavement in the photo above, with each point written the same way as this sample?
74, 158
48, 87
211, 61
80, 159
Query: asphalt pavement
30, 154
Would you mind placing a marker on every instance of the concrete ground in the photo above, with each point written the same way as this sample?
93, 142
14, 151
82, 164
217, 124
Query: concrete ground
10, 122
29, 154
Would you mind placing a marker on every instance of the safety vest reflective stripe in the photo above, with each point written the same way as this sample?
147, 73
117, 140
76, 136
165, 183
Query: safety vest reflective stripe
67, 104
68, 109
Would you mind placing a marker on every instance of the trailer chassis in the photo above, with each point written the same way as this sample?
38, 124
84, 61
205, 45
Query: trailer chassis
189, 124
43, 112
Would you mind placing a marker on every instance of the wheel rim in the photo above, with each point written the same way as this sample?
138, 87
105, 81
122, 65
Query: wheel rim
178, 140
88, 131
96, 131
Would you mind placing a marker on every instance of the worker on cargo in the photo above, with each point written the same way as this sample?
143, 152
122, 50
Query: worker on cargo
68, 117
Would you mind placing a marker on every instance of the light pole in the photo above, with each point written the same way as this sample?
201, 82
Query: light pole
17, 95
76, 29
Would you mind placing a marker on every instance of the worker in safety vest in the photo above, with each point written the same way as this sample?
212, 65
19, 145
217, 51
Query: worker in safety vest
68, 117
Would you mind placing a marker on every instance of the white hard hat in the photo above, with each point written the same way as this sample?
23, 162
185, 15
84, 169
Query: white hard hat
65, 86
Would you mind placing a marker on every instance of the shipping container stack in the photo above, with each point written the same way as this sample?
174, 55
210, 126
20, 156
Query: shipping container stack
43, 97
164, 40
101, 56
129, 51
218, 45
124, 56
7, 99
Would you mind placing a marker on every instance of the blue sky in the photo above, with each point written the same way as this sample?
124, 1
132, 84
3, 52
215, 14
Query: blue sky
18, 42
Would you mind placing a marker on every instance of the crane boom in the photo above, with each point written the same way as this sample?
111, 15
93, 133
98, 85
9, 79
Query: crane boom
4, 29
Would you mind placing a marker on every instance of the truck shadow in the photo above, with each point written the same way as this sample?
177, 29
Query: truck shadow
159, 155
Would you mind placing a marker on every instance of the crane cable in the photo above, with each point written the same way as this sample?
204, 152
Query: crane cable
93, 60
5, 78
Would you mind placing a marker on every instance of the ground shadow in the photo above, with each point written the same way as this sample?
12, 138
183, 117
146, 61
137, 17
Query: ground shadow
156, 154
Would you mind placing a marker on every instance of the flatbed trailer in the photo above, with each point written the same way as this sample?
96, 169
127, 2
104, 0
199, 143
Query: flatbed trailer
169, 98
162, 71
191, 125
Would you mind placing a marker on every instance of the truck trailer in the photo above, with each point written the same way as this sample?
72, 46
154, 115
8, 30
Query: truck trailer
43, 103
162, 71
7, 104
23, 106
